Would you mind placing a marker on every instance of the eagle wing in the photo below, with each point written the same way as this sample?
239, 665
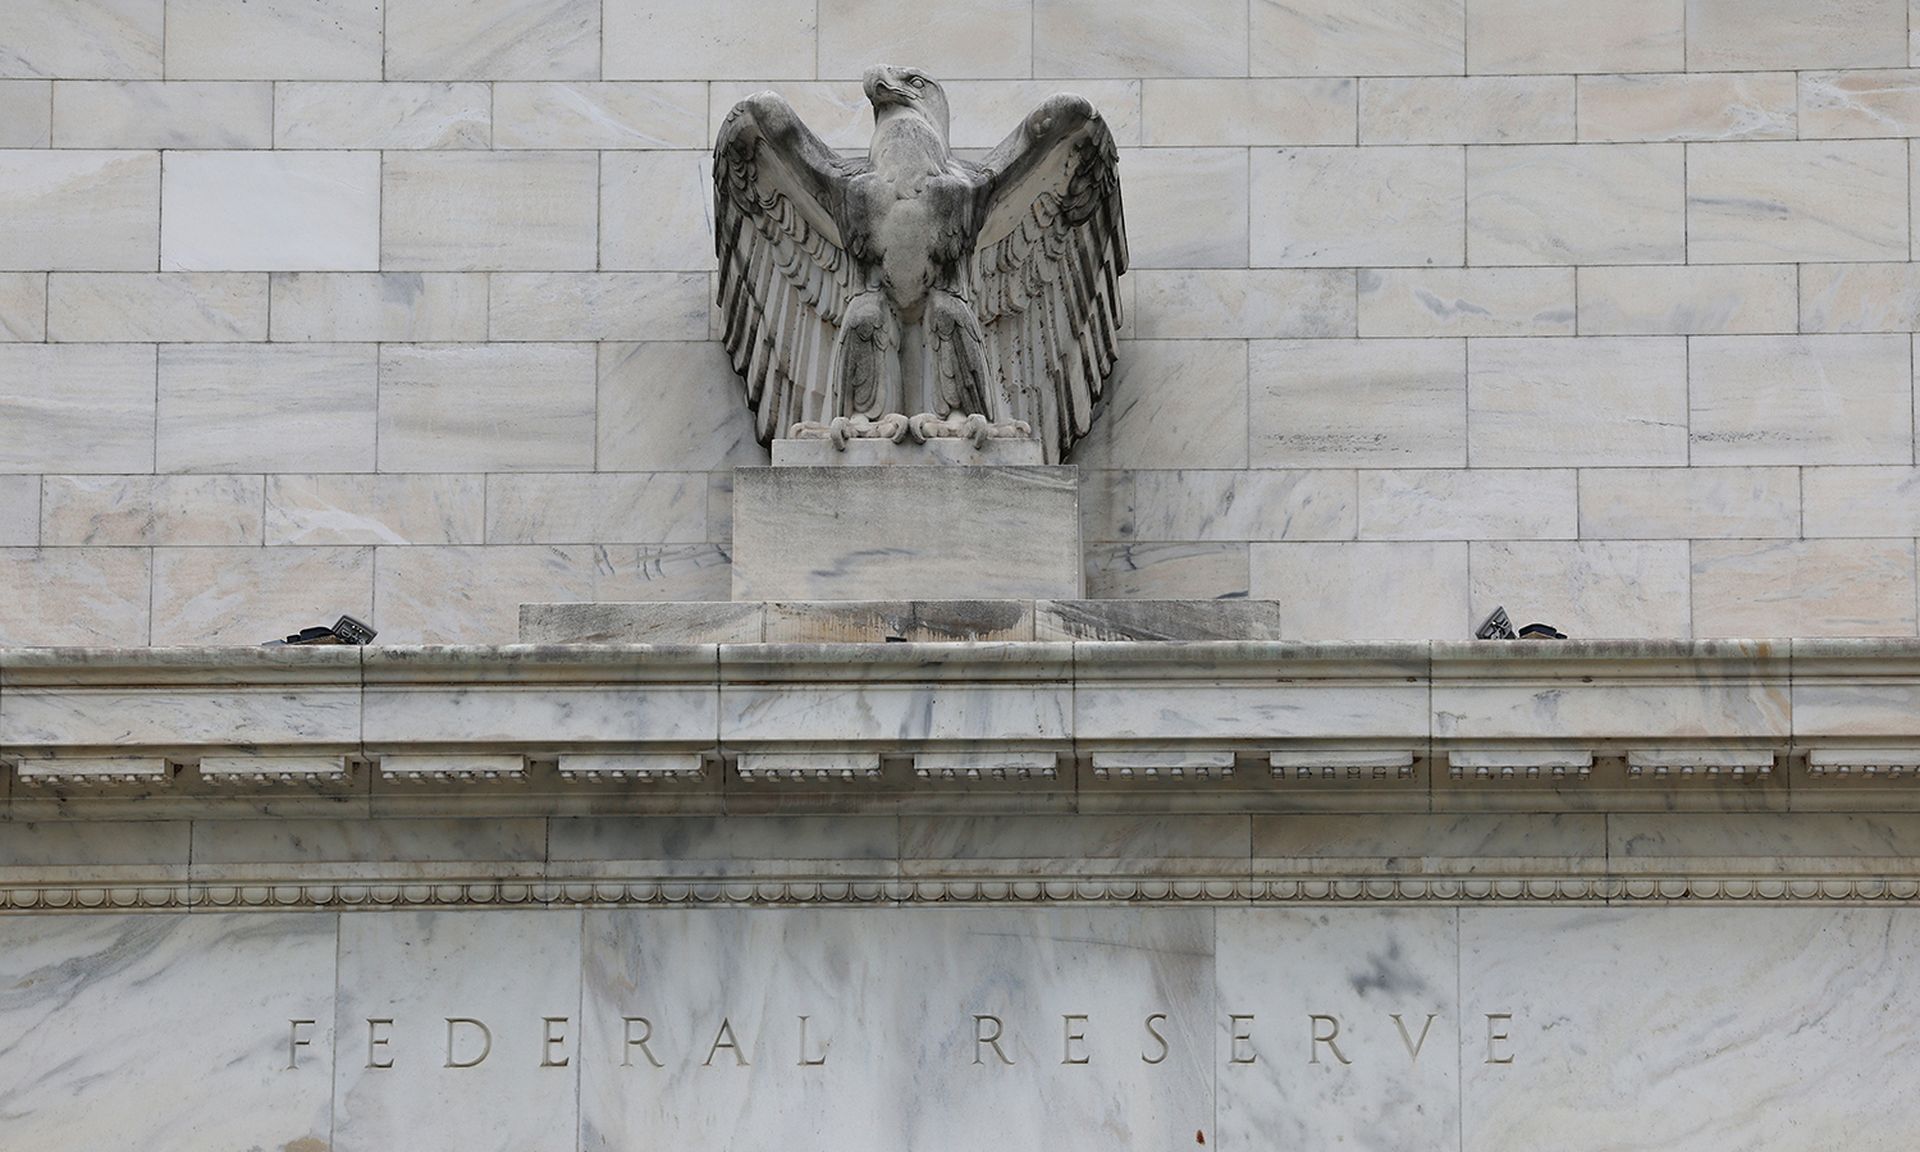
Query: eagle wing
785, 276
1051, 248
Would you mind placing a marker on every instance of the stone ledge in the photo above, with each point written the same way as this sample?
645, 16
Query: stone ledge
1574, 726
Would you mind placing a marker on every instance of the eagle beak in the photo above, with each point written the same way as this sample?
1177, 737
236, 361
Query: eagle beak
880, 89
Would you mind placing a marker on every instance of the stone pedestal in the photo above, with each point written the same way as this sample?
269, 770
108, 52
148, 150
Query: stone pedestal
943, 532
881, 621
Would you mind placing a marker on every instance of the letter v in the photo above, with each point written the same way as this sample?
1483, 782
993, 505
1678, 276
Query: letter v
1413, 1046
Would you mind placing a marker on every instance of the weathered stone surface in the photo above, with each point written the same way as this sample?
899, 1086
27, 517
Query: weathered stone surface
494, 211
915, 621
1859, 297
987, 38
1462, 504
1253, 304
147, 510
1573, 36
1365, 590
1789, 201
68, 402
872, 452
1270, 504
1801, 400
379, 509
1803, 587
76, 596
1576, 204
685, 622
1586, 588
266, 408
1691, 300
151, 114
19, 511
1743, 35
1247, 113
1158, 620
1675, 107
23, 307
1466, 110
1358, 403
471, 594
938, 533
26, 113
379, 306
329, 115
1182, 222
1690, 503
1139, 38
251, 595
1357, 38
1466, 302
167, 307
89, 39
442, 408
729, 39
1340, 207
1196, 571
610, 115
493, 39
654, 210
1542, 403
611, 507
85, 211
271, 211
1173, 404
274, 40
599, 306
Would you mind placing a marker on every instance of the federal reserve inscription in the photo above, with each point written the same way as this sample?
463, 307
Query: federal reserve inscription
805, 1042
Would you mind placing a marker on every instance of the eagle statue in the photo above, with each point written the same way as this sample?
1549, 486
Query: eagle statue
910, 292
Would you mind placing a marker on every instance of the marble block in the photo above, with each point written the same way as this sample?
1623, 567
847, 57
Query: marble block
1158, 620
722, 996
881, 453
104, 1015
1355, 1048
270, 211
466, 1057
1706, 1029
906, 533
643, 622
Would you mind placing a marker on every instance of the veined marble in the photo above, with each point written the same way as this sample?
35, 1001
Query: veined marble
1068, 1028
166, 1033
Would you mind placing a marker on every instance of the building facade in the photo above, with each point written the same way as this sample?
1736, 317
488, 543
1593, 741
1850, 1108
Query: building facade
1603, 313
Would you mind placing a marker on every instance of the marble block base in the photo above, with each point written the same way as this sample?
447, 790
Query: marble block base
869, 453
743, 1030
881, 621
986, 533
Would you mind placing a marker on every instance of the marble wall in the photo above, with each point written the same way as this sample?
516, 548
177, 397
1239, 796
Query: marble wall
1068, 1028
401, 308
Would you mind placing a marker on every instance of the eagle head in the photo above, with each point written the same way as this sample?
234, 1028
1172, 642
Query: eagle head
909, 90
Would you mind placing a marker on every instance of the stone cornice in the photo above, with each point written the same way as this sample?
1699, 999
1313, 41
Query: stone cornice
1443, 726
287, 891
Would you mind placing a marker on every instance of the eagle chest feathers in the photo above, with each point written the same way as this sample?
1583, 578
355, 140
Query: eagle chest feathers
911, 215
911, 293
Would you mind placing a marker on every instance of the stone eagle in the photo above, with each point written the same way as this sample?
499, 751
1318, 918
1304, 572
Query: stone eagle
909, 292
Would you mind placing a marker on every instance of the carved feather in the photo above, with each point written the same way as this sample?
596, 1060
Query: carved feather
784, 274
1052, 246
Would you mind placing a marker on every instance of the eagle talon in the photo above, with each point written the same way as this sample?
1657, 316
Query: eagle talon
978, 430
838, 429
894, 427
925, 427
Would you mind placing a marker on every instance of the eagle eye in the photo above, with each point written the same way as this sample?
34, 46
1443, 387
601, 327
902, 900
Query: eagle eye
917, 82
